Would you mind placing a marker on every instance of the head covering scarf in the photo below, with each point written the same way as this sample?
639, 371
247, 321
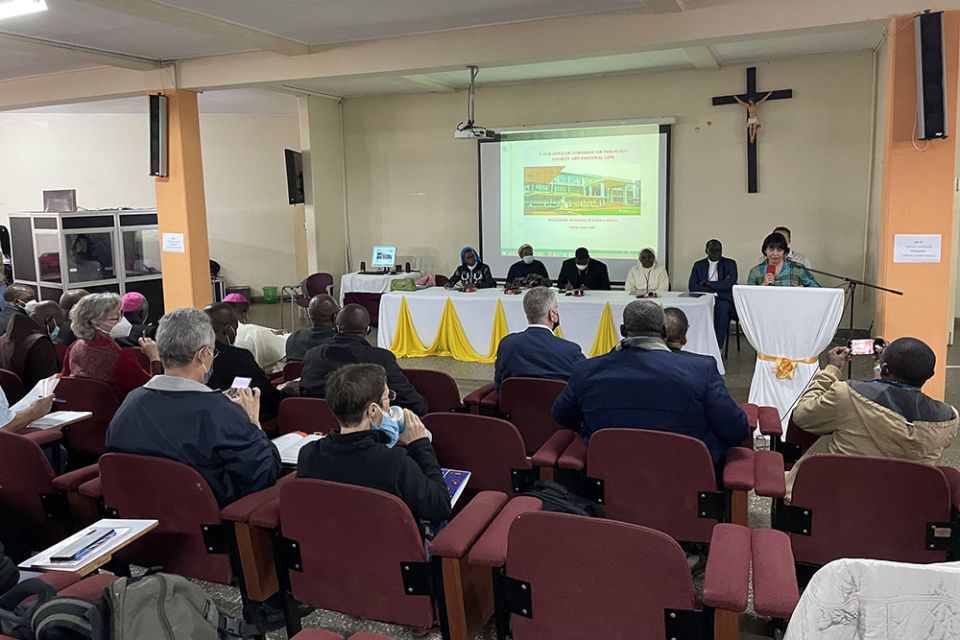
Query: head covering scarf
463, 253
522, 247
650, 249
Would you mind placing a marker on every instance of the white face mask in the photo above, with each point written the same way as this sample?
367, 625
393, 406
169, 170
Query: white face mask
122, 329
582, 267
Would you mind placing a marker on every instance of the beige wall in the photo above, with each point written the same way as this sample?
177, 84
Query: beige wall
412, 184
104, 157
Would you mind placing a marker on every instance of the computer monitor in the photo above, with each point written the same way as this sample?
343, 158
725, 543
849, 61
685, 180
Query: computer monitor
383, 256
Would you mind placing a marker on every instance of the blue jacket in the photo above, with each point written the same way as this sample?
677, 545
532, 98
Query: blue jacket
632, 387
535, 353
726, 274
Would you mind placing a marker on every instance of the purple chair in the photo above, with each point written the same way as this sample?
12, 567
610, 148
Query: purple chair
300, 294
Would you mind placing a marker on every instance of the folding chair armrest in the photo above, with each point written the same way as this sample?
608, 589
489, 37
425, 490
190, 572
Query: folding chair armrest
461, 532
550, 451
738, 469
91, 489
267, 516
727, 579
474, 398
244, 509
491, 549
751, 411
574, 457
43, 437
775, 591
770, 424
491, 401
72, 480
768, 478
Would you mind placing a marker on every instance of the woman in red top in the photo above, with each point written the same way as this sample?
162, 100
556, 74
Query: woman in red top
95, 355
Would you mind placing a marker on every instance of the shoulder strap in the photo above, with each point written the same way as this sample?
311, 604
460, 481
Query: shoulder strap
79, 616
32, 587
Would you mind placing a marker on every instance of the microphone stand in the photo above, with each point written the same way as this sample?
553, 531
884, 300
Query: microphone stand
852, 284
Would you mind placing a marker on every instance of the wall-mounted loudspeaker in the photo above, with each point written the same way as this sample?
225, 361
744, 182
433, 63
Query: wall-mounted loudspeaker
931, 91
158, 135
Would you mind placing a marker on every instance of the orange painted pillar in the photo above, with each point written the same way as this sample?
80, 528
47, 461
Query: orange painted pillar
181, 209
917, 198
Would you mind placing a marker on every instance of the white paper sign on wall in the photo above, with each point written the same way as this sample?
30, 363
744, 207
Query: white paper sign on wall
916, 247
173, 243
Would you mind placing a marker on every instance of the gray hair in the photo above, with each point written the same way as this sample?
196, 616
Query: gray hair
91, 310
537, 302
643, 317
181, 334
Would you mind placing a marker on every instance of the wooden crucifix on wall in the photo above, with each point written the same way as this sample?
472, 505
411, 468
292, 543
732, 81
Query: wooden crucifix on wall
751, 101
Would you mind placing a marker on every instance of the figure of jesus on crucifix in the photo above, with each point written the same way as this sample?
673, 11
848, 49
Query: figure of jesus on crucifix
753, 114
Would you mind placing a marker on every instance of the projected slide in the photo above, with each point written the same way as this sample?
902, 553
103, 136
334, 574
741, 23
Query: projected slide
559, 189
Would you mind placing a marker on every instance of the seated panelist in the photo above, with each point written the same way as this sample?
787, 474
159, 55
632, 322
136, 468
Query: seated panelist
526, 266
471, 272
583, 272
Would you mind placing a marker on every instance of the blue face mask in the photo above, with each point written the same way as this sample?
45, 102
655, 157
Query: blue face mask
527, 259
389, 426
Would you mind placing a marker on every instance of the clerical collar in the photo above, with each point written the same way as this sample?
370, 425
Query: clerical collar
646, 343
713, 261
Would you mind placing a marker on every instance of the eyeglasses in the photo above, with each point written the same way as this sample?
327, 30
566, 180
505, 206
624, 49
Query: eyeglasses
391, 395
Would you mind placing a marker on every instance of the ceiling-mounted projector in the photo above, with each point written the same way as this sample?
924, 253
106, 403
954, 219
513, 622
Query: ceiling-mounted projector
468, 130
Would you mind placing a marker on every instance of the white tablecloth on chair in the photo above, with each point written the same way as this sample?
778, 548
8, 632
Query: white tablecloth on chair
371, 282
579, 316
791, 324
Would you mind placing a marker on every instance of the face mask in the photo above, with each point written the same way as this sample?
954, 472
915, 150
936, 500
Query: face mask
527, 259
581, 267
55, 333
122, 329
556, 324
388, 424
876, 370
207, 373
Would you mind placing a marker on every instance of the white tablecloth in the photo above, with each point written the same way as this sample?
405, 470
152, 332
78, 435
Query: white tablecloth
579, 317
788, 322
370, 283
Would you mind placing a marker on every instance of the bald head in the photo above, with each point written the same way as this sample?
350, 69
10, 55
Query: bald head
48, 315
18, 295
70, 298
908, 360
224, 321
675, 327
353, 318
323, 310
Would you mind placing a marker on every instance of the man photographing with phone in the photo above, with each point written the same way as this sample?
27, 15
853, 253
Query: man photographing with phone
888, 417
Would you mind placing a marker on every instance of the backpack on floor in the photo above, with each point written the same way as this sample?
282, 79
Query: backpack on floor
558, 498
15, 615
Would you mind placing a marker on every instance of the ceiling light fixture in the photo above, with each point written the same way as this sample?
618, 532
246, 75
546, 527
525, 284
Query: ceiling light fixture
13, 8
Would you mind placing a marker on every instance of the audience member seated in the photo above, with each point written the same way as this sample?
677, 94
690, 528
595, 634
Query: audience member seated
67, 300
323, 310
15, 299
95, 355
233, 362
136, 310
471, 272
177, 416
362, 452
796, 257
889, 417
13, 422
520, 271
26, 347
716, 274
675, 325
267, 345
777, 270
583, 272
642, 384
536, 352
350, 346
648, 276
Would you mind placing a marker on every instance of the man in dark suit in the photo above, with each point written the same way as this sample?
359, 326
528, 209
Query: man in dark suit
350, 346
583, 272
716, 274
323, 310
15, 299
67, 300
536, 352
643, 384
232, 362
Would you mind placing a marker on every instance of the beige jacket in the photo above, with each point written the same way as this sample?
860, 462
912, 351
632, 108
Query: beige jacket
860, 418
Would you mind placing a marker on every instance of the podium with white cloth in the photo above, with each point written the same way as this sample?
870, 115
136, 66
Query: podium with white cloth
469, 326
789, 327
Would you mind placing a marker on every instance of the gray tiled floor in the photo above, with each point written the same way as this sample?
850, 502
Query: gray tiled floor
469, 376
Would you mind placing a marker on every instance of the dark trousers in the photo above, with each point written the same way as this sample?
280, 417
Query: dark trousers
723, 311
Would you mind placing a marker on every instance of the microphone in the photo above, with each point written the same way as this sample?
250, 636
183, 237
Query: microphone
771, 270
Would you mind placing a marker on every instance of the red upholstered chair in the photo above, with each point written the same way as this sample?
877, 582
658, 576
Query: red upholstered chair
527, 403
441, 280
310, 415
858, 507
292, 370
85, 394
438, 388
61, 351
629, 581
795, 443
32, 495
483, 399
490, 448
12, 386
362, 554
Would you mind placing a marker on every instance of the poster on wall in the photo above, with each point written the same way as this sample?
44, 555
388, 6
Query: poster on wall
917, 247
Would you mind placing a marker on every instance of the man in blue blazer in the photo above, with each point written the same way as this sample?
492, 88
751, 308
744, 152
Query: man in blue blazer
536, 352
716, 274
642, 384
